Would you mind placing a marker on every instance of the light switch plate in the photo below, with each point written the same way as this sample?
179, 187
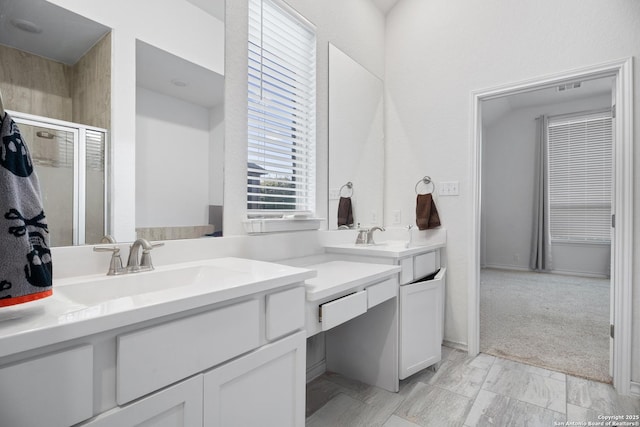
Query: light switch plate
334, 194
449, 188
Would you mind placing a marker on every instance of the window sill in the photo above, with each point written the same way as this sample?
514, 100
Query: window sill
278, 225
580, 243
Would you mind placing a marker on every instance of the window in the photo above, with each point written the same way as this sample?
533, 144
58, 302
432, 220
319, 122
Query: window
281, 111
580, 169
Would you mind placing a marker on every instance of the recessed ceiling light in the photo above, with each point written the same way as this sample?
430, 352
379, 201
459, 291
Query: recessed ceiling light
178, 82
28, 26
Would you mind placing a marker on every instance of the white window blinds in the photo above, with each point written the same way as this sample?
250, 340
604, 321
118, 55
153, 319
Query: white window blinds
281, 106
580, 169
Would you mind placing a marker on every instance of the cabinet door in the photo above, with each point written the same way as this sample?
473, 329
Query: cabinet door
263, 388
421, 320
176, 406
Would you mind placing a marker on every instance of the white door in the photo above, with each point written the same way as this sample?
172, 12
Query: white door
613, 234
176, 406
421, 324
264, 388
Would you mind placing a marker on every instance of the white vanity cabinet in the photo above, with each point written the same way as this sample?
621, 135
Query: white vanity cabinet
263, 388
421, 302
177, 406
421, 324
194, 363
231, 356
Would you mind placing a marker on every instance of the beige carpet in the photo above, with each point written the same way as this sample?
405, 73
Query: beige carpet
547, 320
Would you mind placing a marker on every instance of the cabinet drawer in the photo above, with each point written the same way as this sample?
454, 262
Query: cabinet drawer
52, 390
285, 312
346, 308
424, 264
381, 292
161, 355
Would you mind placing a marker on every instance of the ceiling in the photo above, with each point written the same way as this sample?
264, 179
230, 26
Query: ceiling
385, 5
494, 109
212, 7
159, 71
63, 36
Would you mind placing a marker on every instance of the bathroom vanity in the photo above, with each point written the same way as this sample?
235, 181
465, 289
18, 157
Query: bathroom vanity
421, 294
216, 343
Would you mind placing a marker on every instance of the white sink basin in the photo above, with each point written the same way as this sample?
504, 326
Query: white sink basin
96, 291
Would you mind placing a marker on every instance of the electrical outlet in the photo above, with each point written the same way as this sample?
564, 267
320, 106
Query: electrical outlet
397, 217
449, 188
334, 194
374, 217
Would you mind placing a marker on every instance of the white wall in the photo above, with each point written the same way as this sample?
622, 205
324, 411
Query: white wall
172, 161
438, 52
508, 165
175, 26
356, 27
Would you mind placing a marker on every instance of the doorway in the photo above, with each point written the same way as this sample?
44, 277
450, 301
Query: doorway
621, 246
547, 167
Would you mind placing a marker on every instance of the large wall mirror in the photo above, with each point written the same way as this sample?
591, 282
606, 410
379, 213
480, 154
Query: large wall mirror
55, 65
179, 147
55, 78
356, 140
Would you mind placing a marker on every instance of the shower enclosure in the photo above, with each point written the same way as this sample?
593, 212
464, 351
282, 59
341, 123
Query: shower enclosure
71, 161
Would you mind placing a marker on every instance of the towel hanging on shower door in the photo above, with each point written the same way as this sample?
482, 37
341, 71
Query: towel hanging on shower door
25, 258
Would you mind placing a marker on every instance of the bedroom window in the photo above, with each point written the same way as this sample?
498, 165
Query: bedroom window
281, 111
580, 169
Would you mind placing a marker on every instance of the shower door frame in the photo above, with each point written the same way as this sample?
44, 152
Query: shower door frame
79, 132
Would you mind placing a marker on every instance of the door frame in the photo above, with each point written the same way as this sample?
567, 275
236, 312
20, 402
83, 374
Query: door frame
622, 245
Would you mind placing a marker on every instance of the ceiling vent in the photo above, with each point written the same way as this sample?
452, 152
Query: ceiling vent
568, 86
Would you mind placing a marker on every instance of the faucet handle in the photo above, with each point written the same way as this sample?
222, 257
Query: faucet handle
145, 258
115, 266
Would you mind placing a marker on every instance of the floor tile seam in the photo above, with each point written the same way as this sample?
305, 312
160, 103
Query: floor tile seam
529, 372
472, 399
495, 359
531, 403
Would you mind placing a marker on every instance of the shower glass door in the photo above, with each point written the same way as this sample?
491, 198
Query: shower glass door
70, 160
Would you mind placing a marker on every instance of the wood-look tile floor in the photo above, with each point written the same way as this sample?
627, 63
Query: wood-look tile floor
480, 391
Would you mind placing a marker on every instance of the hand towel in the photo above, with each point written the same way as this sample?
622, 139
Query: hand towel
25, 258
426, 212
345, 214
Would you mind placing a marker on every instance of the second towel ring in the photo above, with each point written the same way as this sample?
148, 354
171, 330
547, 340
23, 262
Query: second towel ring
426, 180
348, 186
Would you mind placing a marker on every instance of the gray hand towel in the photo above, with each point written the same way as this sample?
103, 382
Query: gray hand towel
25, 258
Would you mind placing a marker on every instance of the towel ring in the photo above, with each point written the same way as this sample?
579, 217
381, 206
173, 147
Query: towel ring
349, 186
426, 180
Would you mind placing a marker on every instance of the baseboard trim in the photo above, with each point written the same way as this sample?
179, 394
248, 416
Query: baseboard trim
635, 388
506, 267
559, 272
456, 345
316, 370
579, 273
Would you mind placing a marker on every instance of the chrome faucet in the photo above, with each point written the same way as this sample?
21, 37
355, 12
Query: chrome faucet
144, 263
133, 265
370, 234
361, 239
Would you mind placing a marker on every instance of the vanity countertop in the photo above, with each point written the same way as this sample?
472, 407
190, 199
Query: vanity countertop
335, 277
63, 317
388, 249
